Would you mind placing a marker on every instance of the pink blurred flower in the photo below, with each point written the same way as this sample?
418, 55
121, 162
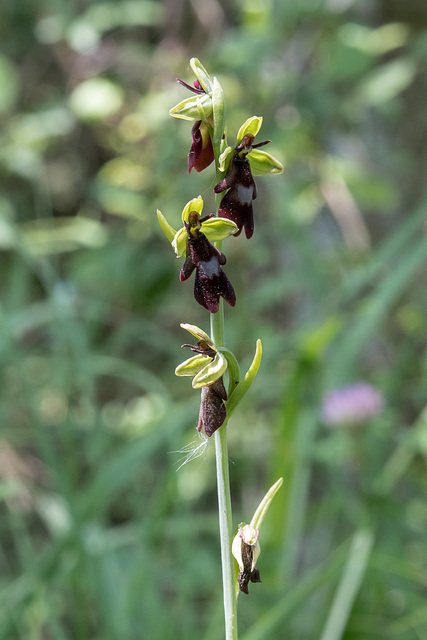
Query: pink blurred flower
352, 404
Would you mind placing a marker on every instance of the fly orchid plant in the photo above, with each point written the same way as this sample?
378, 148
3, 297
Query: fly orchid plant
199, 242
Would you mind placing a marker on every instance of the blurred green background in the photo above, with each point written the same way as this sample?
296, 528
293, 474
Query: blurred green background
101, 536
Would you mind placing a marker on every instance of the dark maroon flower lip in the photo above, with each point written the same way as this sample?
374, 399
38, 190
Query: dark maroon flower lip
201, 153
236, 204
212, 408
211, 282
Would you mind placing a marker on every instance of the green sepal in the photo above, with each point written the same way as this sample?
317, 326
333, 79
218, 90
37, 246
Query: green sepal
244, 385
197, 107
165, 226
262, 163
214, 370
196, 204
201, 74
193, 366
179, 242
263, 506
198, 333
216, 229
251, 127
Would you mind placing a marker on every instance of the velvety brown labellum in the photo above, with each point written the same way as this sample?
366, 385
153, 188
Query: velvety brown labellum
201, 153
212, 408
236, 205
211, 282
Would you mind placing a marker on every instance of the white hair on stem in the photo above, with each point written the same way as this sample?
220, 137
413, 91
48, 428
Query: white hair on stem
192, 450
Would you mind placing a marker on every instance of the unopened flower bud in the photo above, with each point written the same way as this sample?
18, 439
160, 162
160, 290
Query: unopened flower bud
246, 549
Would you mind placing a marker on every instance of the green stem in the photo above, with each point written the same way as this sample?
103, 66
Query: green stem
224, 503
222, 471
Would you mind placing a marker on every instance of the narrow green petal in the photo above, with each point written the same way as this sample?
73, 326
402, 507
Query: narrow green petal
196, 204
179, 243
201, 74
165, 226
216, 229
251, 127
211, 372
193, 365
262, 163
198, 333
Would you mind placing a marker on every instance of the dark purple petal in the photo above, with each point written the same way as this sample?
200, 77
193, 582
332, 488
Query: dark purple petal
187, 268
195, 89
227, 181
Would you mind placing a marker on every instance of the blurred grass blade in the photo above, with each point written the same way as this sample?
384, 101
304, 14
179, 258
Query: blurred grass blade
349, 347
299, 473
407, 449
349, 585
390, 251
